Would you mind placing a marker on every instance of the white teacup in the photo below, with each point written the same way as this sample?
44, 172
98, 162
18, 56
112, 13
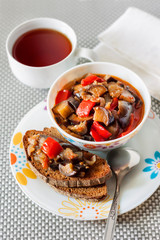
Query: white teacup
43, 77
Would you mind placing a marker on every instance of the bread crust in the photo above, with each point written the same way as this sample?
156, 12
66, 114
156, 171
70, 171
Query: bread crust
102, 188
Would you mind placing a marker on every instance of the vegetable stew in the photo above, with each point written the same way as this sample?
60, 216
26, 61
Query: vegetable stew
98, 107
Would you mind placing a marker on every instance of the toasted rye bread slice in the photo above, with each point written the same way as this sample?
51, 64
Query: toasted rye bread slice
97, 174
93, 194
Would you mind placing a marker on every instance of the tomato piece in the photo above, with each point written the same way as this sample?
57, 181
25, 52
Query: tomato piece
95, 135
84, 108
45, 163
114, 104
90, 79
130, 126
101, 130
62, 95
51, 147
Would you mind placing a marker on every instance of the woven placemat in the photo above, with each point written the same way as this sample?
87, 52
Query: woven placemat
19, 217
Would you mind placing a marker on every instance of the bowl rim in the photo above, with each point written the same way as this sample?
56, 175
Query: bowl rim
86, 142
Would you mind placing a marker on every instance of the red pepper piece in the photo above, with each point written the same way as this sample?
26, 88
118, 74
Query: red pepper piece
90, 79
51, 147
101, 130
114, 104
62, 95
130, 126
45, 163
84, 108
95, 135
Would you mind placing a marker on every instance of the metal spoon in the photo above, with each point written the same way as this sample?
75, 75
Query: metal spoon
121, 161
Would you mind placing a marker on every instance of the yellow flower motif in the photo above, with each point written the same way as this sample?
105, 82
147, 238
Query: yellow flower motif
21, 178
79, 208
27, 172
158, 165
17, 139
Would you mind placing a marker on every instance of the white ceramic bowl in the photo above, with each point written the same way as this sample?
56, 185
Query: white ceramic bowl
101, 68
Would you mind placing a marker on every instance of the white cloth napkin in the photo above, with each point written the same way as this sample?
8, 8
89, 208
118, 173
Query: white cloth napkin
134, 41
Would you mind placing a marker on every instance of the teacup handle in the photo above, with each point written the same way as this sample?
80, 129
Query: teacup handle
86, 53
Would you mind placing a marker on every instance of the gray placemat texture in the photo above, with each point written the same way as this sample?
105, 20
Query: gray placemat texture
20, 218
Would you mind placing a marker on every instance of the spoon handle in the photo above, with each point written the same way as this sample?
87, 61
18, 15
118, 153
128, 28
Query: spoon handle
111, 221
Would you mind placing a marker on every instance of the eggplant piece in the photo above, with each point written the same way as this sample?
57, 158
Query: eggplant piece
60, 120
111, 79
80, 129
107, 98
63, 109
115, 90
77, 88
78, 95
69, 155
114, 128
87, 96
68, 145
79, 155
30, 149
102, 102
121, 84
79, 166
127, 96
70, 132
124, 113
88, 155
75, 119
115, 114
74, 102
138, 102
108, 101
97, 90
54, 165
88, 138
103, 115
67, 169
72, 155
106, 77
91, 161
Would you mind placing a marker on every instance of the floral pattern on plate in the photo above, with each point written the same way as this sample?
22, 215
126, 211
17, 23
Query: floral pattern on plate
78, 208
154, 167
18, 159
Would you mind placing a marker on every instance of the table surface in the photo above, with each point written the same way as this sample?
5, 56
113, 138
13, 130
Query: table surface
21, 218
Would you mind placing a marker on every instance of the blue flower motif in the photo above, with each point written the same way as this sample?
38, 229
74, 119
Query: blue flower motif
154, 167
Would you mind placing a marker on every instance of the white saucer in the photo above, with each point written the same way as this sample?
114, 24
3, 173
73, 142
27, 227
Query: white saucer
137, 186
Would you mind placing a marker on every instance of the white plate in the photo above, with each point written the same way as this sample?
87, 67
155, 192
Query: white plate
137, 186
